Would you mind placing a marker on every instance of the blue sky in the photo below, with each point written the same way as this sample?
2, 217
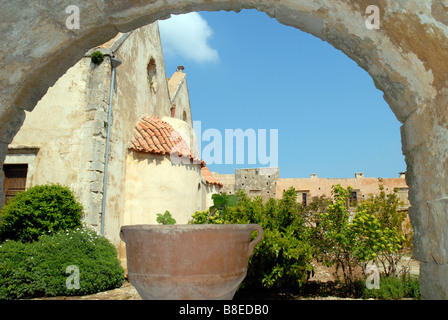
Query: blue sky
246, 70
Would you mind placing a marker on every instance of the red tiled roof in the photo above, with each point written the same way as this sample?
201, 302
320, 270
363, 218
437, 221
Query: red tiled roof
153, 135
209, 178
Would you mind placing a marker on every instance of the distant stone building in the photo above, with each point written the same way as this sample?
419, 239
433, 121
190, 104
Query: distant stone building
265, 182
255, 182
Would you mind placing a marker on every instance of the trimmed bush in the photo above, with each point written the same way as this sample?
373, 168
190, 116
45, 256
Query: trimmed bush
38, 269
39, 210
395, 288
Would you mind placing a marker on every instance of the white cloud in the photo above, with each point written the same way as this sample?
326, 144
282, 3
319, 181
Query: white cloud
186, 35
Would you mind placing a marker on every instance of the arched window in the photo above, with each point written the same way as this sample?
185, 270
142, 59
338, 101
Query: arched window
184, 116
152, 72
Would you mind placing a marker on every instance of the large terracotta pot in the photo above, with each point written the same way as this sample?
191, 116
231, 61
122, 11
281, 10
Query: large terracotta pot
194, 262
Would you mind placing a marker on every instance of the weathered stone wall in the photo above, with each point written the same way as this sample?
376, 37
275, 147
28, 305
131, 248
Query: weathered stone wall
228, 181
406, 58
272, 186
69, 124
168, 186
180, 99
71, 113
362, 185
133, 98
260, 182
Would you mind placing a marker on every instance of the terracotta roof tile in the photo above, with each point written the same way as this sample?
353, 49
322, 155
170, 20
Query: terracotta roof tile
209, 178
153, 135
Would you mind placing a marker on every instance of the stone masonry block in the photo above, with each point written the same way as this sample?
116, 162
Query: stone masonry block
434, 281
427, 171
429, 220
97, 165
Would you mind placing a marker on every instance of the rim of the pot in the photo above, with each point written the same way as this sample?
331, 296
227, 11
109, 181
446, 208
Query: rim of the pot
188, 226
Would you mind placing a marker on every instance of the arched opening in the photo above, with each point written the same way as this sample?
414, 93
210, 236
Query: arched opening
407, 70
287, 80
152, 72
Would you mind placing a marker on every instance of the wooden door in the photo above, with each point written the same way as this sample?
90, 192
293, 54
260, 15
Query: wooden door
15, 180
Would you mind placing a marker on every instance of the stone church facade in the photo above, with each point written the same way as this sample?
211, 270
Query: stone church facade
64, 139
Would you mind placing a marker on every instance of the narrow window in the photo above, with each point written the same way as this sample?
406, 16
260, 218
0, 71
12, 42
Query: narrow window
151, 72
353, 199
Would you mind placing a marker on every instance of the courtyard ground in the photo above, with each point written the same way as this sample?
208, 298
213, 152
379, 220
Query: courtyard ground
321, 286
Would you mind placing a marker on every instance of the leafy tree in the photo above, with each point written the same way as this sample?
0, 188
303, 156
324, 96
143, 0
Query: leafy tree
348, 239
313, 210
283, 258
387, 210
338, 236
372, 238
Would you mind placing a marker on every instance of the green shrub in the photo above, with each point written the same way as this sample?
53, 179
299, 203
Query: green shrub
391, 288
200, 217
37, 269
412, 287
395, 288
39, 210
283, 256
97, 57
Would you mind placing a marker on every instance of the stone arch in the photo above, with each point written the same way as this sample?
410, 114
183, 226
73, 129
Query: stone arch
406, 58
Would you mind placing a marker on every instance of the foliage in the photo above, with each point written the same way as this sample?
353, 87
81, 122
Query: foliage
38, 210
315, 208
166, 218
38, 268
200, 217
327, 229
97, 57
220, 204
283, 256
217, 213
374, 232
395, 288
338, 237
395, 240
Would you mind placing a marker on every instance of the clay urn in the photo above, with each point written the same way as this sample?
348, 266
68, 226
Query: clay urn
188, 262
